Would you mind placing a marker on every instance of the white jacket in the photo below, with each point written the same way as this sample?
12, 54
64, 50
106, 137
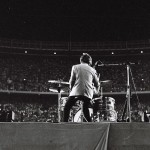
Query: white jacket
83, 79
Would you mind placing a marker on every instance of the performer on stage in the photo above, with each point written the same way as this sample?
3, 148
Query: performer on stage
82, 81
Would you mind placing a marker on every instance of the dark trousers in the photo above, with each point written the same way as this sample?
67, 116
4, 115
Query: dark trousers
71, 102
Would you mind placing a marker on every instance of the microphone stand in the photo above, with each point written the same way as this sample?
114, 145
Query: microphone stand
128, 93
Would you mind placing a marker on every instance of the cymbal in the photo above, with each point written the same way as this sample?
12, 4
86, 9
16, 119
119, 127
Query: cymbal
98, 98
58, 82
105, 81
55, 91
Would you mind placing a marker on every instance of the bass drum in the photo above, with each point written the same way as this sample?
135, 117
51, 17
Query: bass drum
103, 104
112, 115
77, 117
109, 115
104, 109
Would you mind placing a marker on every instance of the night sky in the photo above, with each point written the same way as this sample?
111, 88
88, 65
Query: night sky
61, 20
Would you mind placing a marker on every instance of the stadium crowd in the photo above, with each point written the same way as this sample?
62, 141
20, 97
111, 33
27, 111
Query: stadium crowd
32, 74
22, 73
37, 112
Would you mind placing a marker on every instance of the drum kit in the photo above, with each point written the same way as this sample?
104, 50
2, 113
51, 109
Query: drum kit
102, 108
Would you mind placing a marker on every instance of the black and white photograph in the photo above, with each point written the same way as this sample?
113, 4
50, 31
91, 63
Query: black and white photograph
74, 75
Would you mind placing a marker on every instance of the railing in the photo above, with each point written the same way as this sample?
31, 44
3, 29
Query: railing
74, 46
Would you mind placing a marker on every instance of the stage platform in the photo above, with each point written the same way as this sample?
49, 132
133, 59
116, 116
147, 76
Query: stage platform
75, 136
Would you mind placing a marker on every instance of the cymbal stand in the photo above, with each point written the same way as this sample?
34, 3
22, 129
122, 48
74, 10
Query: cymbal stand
100, 113
127, 107
59, 97
102, 93
128, 93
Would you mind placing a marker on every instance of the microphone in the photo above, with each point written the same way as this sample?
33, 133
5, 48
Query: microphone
101, 65
97, 63
119, 64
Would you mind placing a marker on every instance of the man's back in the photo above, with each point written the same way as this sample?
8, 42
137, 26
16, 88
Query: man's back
83, 76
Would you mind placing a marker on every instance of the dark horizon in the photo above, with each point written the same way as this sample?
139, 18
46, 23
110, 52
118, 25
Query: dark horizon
75, 21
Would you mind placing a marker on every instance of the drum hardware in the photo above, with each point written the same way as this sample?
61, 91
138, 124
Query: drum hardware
105, 81
73, 111
59, 91
101, 110
82, 115
77, 116
102, 106
58, 82
104, 109
55, 91
128, 92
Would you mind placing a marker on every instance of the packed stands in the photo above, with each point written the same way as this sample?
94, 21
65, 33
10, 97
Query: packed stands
31, 73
